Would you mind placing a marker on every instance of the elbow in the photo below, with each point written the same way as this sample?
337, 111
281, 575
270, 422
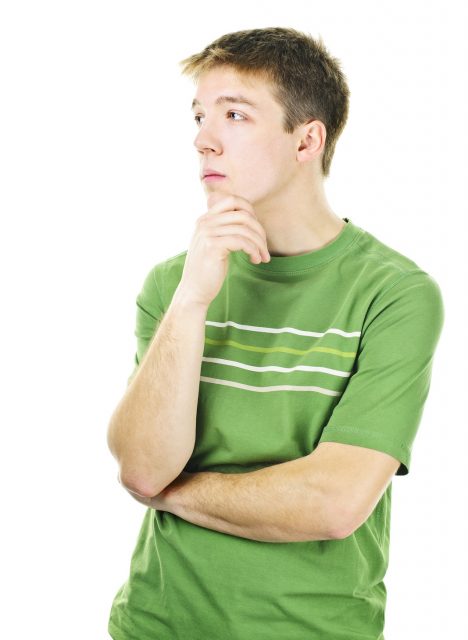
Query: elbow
135, 485
146, 486
143, 486
339, 533
341, 525
137, 474
332, 518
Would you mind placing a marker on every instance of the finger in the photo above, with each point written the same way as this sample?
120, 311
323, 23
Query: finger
253, 236
222, 201
236, 215
238, 242
239, 217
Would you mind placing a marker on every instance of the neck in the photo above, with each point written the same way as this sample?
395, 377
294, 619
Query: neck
298, 219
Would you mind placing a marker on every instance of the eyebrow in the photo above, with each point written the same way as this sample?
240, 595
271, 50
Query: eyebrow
239, 99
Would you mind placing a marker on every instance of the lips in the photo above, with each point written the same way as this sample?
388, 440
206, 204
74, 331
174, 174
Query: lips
212, 172
213, 178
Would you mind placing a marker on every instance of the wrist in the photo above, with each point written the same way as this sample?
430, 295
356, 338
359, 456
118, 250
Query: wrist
183, 298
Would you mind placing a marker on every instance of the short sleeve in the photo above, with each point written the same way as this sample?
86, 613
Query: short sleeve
149, 313
382, 405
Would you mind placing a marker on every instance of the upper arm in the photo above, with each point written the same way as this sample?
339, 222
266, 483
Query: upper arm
383, 402
149, 314
370, 433
353, 479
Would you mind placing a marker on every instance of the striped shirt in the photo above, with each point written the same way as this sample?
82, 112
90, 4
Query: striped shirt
336, 344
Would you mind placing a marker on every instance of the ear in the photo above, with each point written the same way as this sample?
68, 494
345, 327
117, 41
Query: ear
312, 141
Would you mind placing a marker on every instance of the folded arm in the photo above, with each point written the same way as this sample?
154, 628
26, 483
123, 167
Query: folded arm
325, 495
280, 503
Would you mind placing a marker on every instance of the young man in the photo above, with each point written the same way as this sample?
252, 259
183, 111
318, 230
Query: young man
282, 366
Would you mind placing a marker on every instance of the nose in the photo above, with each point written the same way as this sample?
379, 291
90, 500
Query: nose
206, 139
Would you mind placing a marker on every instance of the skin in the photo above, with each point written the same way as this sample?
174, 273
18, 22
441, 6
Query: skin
278, 173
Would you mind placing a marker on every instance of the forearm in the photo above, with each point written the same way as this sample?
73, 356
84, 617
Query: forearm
152, 430
280, 503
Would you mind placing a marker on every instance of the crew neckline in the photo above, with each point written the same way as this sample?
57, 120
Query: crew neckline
277, 264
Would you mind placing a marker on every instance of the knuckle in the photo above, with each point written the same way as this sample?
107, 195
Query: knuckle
251, 217
251, 214
201, 220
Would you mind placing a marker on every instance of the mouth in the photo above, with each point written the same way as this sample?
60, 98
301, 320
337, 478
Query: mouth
211, 177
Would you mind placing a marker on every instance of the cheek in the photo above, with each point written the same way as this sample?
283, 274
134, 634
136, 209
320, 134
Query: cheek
262, 164
258, 178
267, 169
258, 170
262, 161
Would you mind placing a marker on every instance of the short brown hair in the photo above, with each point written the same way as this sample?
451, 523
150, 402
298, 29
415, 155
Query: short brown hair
306, 80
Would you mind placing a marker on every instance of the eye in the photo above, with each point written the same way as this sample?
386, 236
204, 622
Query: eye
236, 113
228, 113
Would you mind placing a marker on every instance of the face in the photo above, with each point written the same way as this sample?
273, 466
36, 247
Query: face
245, 143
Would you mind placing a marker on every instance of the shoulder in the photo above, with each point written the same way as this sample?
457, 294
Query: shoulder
162, 279
382, 256
390, 272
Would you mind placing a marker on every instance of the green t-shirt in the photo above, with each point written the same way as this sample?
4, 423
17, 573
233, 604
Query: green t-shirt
332, 345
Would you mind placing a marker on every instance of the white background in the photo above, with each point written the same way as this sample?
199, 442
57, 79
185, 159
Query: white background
99, 182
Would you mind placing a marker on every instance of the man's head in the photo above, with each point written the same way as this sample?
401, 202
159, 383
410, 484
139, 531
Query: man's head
301, 98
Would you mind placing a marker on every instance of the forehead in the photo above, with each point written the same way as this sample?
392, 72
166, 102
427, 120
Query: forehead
223, 85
